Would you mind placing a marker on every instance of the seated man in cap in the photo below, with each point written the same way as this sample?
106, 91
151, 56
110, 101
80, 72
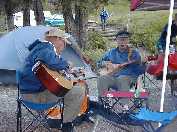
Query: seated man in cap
123, 64
48, 52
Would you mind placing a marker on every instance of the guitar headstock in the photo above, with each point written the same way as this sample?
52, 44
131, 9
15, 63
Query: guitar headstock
152, 57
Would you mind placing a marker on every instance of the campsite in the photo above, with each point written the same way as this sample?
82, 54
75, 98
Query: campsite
149, 104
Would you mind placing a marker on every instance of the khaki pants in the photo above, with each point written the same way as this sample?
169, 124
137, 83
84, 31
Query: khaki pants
72, 100
121, 83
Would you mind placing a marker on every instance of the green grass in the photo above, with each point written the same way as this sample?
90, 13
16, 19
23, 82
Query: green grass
115, 7
120, 15
146, 26
144, 19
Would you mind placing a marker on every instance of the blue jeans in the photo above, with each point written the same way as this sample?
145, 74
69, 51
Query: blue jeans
103, 23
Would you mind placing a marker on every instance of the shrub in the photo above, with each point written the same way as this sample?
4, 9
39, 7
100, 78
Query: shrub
97, 45
94, 54
96, 41
149, 36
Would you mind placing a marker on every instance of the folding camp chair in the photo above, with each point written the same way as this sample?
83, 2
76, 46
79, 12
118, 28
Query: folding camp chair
144, 118
119, 99
110, 100
51, 84
39, 111
138, 114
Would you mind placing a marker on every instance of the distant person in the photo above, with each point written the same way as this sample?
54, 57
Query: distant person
103, 17
161, 44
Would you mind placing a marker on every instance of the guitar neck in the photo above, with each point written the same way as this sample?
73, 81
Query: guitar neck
123, 65
128, 63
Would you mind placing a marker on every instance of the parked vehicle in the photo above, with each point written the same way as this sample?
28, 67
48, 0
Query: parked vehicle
55, 20
50, 20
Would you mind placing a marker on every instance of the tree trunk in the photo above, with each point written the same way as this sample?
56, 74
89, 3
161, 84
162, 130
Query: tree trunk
81, 20
68, 17
9, 14
78, 26
38, 12
10, 21
26, 13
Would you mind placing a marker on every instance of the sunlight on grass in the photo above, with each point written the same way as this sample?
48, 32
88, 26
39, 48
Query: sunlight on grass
120, 13
146, 26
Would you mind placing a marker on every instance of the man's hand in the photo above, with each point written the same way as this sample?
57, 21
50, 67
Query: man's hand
71, 65
111, 68
118, 66
109, 65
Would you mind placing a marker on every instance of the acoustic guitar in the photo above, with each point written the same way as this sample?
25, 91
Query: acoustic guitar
55, 82
111, 70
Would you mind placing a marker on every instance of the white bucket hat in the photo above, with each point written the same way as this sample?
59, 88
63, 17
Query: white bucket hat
58, 33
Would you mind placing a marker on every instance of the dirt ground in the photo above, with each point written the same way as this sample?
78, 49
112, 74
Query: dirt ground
8, 95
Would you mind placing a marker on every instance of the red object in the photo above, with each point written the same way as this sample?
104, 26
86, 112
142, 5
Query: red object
173, 61
49, 82
157, 69
153, 57
151, 5
124, 94
135, 4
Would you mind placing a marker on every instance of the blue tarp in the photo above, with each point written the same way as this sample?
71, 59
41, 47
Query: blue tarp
162, 117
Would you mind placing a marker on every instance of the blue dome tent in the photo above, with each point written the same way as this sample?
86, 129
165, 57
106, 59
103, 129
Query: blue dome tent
14, 50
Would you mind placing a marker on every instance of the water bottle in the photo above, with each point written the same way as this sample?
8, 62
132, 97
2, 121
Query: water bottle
137, 93
172, 49
161, 51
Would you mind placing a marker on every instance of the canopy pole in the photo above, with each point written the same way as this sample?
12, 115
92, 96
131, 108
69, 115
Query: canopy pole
166, 56
128, 21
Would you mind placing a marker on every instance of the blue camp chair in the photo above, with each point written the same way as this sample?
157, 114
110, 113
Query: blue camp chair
137, 115
37, 110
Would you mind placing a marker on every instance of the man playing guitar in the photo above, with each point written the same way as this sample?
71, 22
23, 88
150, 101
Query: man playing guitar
48, 52
123, 65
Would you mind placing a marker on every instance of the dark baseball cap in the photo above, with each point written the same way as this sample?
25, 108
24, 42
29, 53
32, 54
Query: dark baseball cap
123, 34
